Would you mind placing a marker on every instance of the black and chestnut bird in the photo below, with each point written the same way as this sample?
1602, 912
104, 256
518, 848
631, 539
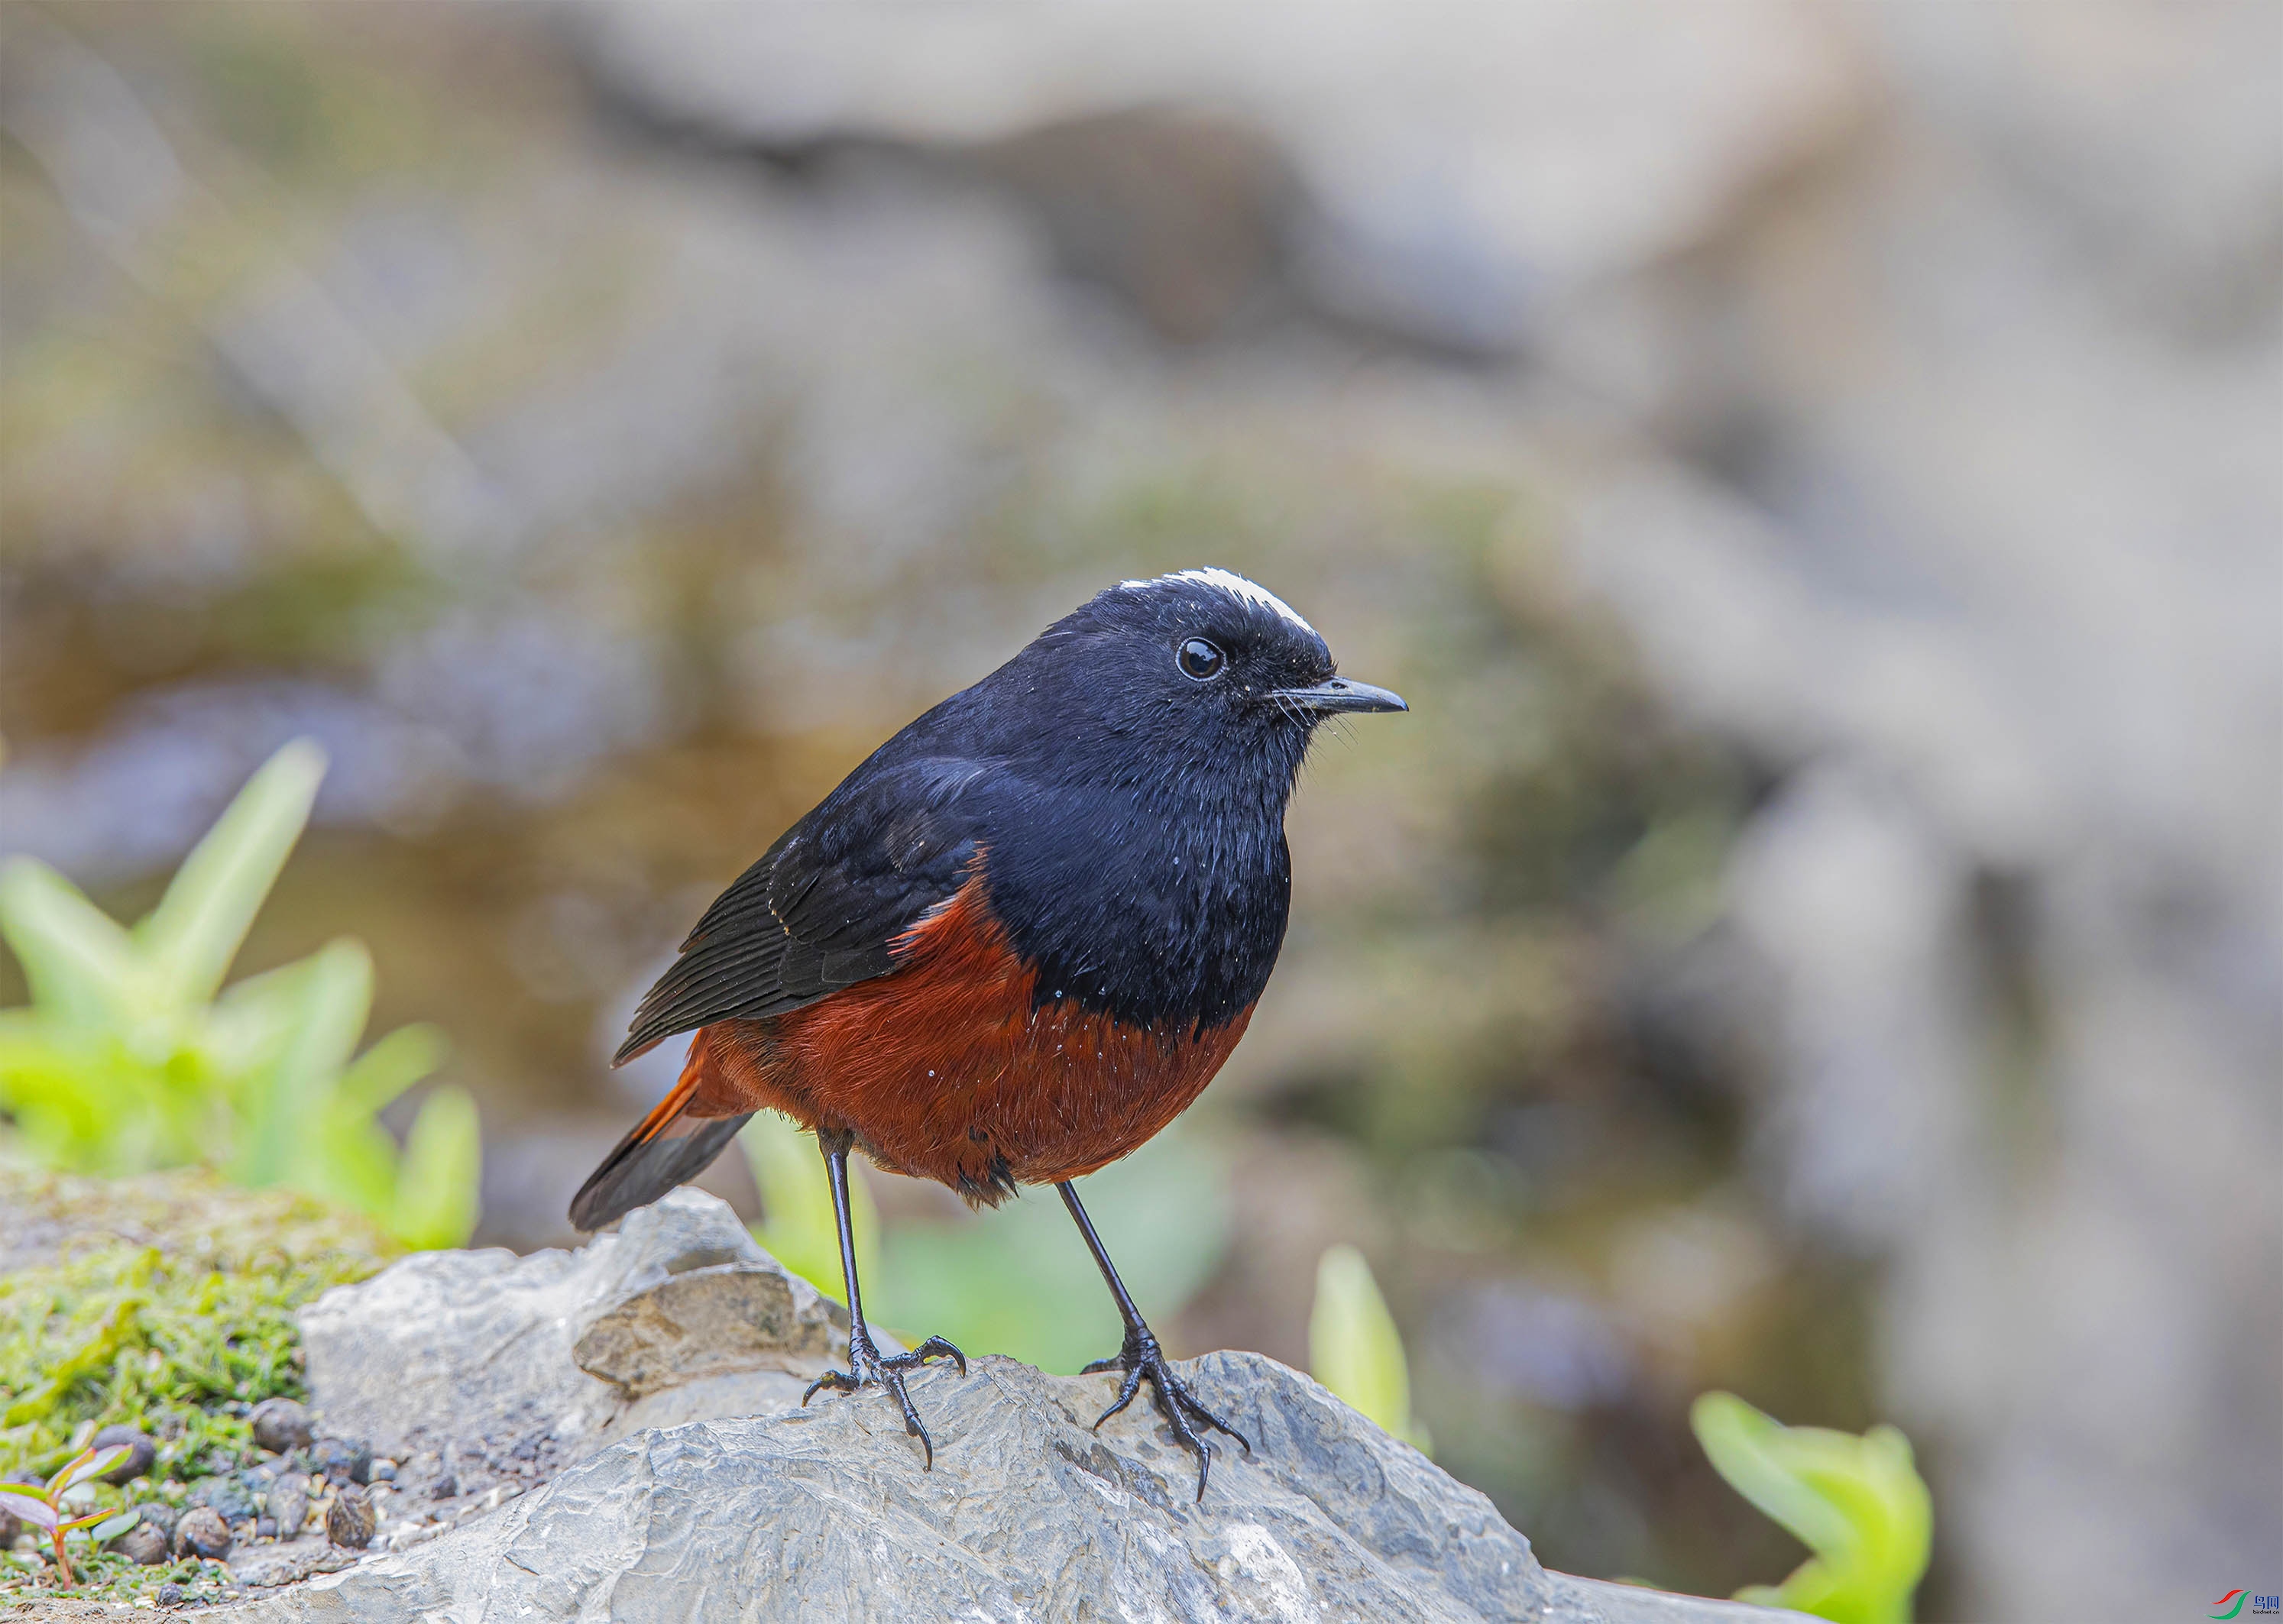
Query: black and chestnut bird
1018, 941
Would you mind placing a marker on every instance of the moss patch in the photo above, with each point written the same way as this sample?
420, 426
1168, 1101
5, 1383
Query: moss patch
165, 1303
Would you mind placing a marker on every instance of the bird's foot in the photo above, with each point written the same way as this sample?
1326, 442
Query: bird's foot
1141, 1358
868, 1367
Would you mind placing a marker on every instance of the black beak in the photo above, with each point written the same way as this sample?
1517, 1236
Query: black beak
1339, 694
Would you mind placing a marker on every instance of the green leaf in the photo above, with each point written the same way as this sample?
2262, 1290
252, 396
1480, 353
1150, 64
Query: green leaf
351, 1160
1859, 1503
80, 1527
62, 1085
1354, 1346
201, 921
113, 1527
438, 1180
285, 1103
797, 1226
81, 966
27, 1505
89, 1464
390, 1066
247, 1025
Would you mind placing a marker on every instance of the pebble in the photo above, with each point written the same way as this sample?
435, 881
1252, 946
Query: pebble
202, 1533
289, 1504
145, 1545
158, 1514
384, 1471
341, 1460
265, 1527
141, 1452
352, 1520
171, 1595
227, 1495
281, 1423
444, 1488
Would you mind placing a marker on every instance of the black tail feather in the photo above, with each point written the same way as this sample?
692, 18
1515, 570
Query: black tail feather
649, 1162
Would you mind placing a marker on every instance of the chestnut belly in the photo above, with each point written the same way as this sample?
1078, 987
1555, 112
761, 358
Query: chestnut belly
949, 1067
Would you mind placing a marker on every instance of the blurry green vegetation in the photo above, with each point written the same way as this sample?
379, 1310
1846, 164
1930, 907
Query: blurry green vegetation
161, 1330
798, 1229
1017, 1280
1355, 1349
132, 1056
166, 1303
1858, 1503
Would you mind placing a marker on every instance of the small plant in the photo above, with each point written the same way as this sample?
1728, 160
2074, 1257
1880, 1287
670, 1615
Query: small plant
43, 1507
1859, 1503
1354, 1348
132, 1056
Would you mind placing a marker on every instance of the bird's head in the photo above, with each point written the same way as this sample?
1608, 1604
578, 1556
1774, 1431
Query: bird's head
1198, 672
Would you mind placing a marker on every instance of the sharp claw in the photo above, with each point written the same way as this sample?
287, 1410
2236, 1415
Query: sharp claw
839, 1381
940, 1347
912, 1421
1211, 1419
1126, 1389
868, 1367
1141, 1359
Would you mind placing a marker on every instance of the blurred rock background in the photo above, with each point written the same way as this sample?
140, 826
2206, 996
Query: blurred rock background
1812, 467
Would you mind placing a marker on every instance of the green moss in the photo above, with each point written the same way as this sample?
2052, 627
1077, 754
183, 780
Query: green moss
166, 1303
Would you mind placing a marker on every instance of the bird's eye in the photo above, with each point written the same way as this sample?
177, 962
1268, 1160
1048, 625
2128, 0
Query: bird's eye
1199, 659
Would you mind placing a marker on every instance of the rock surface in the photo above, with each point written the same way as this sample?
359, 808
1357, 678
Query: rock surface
676, 1477
1028, 1515
450, 1346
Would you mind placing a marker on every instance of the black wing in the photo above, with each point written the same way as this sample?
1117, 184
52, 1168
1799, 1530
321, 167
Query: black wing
824, 907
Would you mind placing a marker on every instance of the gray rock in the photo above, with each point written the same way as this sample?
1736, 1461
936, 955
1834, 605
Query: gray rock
284, 1563
281, 1424
486, 1345
229, 1496
1030, 1514
201, 1533
289, 1504
625, 1422
341, 1461
715, 1320
140, 1452
145, 1545
746, 1393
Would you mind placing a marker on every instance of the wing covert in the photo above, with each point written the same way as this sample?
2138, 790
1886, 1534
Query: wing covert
824, 908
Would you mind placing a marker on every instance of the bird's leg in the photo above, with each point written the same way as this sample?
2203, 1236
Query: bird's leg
865, 1362
1141, 1359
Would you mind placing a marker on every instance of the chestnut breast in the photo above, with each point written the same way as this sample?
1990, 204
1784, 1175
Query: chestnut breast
954, 1067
